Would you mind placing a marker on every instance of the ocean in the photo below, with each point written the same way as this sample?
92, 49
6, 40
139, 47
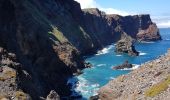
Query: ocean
88, 83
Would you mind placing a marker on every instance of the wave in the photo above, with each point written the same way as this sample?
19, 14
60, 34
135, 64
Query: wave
147, 42
118, 55
105, 50
133, 68
112, 78
142, 53
167, 39
85, 88
99, 65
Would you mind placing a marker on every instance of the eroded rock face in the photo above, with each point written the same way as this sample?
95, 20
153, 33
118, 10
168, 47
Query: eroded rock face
30, 29
126, 45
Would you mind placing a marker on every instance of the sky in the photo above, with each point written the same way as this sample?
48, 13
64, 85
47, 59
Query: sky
158, 9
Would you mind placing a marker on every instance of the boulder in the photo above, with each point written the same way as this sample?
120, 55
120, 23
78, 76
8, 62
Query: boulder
126, 64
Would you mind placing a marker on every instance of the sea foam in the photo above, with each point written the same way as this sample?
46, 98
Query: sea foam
105, 50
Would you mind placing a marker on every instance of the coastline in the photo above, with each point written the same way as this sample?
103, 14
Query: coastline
136, 84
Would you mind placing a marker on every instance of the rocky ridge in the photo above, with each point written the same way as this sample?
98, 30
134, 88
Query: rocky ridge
149, 82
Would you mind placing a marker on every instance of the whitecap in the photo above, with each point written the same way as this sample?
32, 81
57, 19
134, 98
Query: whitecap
142, 53
112, 78
118, 55
105, 50
86, 88
147, 42
99, 65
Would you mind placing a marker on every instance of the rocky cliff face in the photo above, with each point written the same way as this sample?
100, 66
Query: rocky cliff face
48, 37
105, 29
30, 29
149, 82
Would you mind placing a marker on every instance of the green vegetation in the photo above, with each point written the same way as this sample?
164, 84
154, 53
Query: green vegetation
158, 88
58, 35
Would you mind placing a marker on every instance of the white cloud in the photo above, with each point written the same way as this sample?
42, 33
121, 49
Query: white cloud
161, 21
163, 24
87, 3
115, 11
93, 4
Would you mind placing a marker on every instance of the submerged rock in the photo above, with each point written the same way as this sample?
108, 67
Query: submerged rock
126, 45
126, 64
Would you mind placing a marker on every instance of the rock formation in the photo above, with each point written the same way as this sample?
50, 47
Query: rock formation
126, 45
149, 82
126, 64
48, 38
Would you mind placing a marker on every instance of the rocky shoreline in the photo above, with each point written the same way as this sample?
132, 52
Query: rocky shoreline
149, 82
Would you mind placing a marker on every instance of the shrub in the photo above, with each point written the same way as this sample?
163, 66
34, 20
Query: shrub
158, 88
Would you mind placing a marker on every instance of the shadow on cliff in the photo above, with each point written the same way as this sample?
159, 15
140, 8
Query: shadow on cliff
26, 36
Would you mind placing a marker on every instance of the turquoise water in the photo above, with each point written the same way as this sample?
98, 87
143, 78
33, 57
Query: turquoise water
93, 78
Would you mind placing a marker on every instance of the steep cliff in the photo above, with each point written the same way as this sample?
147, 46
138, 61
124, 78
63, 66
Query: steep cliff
33, 30
105, 29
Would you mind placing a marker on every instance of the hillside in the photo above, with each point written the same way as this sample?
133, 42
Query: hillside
149, 82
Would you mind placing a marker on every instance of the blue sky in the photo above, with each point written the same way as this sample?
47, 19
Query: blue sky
158, 9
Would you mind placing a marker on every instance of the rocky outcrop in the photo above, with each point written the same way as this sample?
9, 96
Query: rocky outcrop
149, 82
9, 77
53, 96
126, 64
126, 45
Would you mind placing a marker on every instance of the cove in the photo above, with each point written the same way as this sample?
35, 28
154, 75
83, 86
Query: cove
88, 83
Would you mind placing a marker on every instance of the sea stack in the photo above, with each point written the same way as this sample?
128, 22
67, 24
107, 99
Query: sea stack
126, 45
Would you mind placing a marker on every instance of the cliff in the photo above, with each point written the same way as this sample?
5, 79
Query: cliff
105, 29
48, 38
149, 82
33, 30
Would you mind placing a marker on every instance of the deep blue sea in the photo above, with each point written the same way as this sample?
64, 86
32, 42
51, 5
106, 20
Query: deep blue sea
101, 72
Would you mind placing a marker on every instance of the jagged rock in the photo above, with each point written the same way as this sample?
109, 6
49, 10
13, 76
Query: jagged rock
96, 97
124, 65
53, 96
126, 45
150, 34
88, 65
